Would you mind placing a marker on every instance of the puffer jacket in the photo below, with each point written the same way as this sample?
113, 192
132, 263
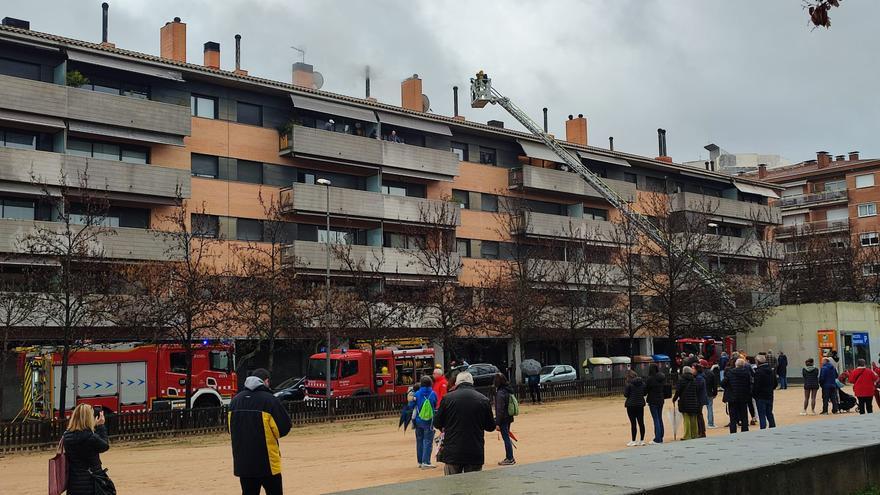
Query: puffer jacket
765, 382
686, 394
635, 393
654, 389
83, 448
502, 401
811, 377
702, 393
828, 376
737, 385
422, 395
863, 380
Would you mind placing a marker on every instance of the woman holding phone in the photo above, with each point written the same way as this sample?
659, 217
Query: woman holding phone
84, 440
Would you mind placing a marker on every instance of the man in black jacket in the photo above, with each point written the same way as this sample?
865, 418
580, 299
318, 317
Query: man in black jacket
765, 383
737, 385
256, 421
463, 417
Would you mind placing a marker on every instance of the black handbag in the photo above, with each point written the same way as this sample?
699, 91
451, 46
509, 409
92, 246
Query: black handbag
103, 484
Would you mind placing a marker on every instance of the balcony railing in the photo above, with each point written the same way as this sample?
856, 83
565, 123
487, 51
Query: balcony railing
548, 179
814, 198
558, 226
724, 207
373, 259
308, 198
402, 158
819, 227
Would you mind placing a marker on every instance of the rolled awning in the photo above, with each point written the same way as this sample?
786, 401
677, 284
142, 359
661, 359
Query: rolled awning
414, 123
30, 119
757, 190
333, 108
124, 65
125, 134
604, 159
539, 151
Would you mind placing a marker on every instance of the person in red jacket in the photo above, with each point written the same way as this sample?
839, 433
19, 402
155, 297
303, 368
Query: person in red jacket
864, 383
876, 369
440, 385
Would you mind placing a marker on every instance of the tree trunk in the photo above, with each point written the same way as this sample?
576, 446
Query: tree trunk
188, 395
62, 392
270, 361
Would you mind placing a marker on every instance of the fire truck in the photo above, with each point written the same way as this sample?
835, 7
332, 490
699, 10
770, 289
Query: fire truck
352, 374
709, 347
129, 377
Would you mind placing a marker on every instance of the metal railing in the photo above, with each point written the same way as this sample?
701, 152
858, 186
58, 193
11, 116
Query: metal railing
34, 435
812, 228
811, 198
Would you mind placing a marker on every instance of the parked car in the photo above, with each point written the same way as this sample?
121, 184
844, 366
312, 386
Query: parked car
294, 389
558, 373
483, 373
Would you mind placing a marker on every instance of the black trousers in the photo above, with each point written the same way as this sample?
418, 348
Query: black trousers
251, 486
739, 413
636, 417
535, 391
865, 403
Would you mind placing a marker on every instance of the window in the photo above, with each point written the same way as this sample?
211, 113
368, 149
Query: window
460, 150
401, 241
205, 225
349, 368
547, 207
205, 166
629, 177
248, 171
278, 175
869, 239
133, 155
867, 210
348, 237
595, 213
108, 151
19, 140
487, 156
219, 361
489, 202
17, 209
112, 87
203, 106
864, 180
245, 113
460, 197
655, 184
870, 270
177, 362
463, 246
16, 68
837, 185
249, 230
395, 188
489, 250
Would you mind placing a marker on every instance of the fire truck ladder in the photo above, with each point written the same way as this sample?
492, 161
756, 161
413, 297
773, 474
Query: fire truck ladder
482, 93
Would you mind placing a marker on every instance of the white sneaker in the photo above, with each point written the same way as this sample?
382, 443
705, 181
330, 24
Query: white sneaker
632, 444
804, 413
428, 466
641, 443
651, 442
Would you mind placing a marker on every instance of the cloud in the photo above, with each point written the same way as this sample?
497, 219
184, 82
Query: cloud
751, 75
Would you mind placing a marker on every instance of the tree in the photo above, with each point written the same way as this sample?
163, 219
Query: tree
820, 267
18, 306
819, 9
77, 290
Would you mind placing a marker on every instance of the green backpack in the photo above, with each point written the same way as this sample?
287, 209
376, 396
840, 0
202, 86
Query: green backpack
512, 406
426, 412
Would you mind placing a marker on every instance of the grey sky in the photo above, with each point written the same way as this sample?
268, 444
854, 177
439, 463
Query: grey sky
749, 75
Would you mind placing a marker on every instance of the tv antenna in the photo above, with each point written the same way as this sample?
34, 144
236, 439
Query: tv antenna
302, 52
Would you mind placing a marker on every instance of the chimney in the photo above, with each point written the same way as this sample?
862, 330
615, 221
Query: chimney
762, 170
661, 146
576, 129
853, 155
823, 158
105, 7
545, 120
367, 82
495, 123
172, 40
16, 23
303, 75
611, 143
840, 158
212, 55
238, 69
411, 94
455, 101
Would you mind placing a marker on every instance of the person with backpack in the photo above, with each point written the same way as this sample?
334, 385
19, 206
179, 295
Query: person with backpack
655, 396
635, 407
506, 407
423, 421
864, 384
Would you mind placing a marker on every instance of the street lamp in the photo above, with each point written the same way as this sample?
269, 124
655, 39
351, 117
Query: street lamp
326, 183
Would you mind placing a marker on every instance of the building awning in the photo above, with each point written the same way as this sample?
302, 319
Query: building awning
124, 65
539, 151
413, 123
29, 119
604, 159
28, 189
126, 134
796, 183
332, 108
757, 190
415, 174
801, 211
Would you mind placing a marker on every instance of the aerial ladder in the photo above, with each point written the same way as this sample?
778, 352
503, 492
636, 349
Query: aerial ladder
482, 93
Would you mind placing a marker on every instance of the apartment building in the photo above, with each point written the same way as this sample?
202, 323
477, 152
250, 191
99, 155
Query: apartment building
151, 128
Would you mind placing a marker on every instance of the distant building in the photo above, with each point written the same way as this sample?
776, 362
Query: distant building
736, 163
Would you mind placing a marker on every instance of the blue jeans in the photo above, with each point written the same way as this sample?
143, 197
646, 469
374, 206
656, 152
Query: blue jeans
424, 443
710, 414
657, 416
505, 435
765, 413
783, 381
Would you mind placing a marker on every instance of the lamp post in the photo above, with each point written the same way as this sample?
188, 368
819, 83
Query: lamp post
326, 183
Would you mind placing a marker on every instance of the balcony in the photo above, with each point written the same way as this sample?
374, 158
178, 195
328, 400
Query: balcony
548, 179
44, 98
388, 261
810, 228
396, 158
566, 272
308, 198
558, 226
813, 199
748, 248
150, 181
724, 207
126, 244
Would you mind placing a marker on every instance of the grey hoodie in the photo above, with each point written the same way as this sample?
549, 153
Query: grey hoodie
252, 383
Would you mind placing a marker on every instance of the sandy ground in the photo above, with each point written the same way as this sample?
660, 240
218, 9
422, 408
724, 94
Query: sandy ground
326, 458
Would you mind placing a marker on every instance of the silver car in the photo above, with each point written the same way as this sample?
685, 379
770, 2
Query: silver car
558, 373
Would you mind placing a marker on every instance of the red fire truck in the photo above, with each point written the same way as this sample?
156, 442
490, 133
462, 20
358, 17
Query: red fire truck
351, 371
709, 347
127, 377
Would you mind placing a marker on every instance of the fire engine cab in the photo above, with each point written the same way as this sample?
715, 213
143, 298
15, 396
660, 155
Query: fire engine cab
351, 371
709, 347
129, 377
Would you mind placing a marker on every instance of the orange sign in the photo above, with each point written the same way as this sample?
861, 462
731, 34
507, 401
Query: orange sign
827, 342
